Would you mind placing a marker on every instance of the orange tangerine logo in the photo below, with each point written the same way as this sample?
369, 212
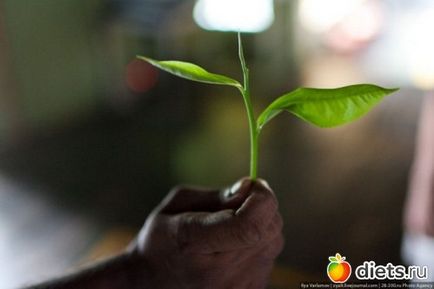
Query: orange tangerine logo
338, 270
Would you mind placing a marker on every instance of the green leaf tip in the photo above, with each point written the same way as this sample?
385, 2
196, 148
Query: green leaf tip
191, 71
327, 107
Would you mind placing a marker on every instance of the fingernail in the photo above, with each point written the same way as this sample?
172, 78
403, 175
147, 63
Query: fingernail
265, 184
232, 191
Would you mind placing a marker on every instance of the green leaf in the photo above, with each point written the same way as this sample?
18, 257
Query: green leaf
326, 107
192, 72
333, 259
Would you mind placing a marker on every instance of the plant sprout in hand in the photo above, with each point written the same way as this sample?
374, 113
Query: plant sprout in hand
320, 107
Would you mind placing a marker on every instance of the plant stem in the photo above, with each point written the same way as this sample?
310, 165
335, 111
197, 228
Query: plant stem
252, 128
250, 114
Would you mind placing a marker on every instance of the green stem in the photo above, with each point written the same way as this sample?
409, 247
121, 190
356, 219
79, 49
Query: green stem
252, 129
250, 114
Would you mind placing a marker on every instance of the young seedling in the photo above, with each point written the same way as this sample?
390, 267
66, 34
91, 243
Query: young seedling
321, 107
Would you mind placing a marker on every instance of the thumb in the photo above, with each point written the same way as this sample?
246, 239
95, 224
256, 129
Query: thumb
194, 199
234, 196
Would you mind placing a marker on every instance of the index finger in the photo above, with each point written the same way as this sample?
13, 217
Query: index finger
260, 206
229, 230
195, 199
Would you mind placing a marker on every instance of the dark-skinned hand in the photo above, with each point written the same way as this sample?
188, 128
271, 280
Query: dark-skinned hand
198, 238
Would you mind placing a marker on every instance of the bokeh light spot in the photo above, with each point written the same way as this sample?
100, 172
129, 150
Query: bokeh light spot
140, 76
249, 16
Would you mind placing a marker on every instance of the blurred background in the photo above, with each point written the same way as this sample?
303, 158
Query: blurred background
91, 138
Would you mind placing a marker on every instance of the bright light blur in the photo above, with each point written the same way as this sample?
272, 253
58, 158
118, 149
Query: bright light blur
358, 26
319, 15
249, 16
405, 48
419, 47
354, 31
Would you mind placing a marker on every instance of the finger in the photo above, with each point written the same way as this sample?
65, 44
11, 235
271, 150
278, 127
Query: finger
261, 197
274, 228
272, 231
204, 233
258, 211
194, 199
271, 246
234, 196
273, 249
268, 250
257, 219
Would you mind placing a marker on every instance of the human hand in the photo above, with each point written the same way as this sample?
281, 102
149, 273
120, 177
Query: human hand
198, 238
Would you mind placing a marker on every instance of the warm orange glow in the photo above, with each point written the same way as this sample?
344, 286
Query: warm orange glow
140, 76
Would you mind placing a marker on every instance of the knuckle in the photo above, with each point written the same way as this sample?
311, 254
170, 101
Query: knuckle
176, 191
262, 185
274, 229
185, 227
170, 199
267, 203
190, 235
251, 232
175, 199
271, 201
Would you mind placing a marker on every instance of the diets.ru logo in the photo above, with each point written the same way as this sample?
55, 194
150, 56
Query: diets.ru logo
338, 270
